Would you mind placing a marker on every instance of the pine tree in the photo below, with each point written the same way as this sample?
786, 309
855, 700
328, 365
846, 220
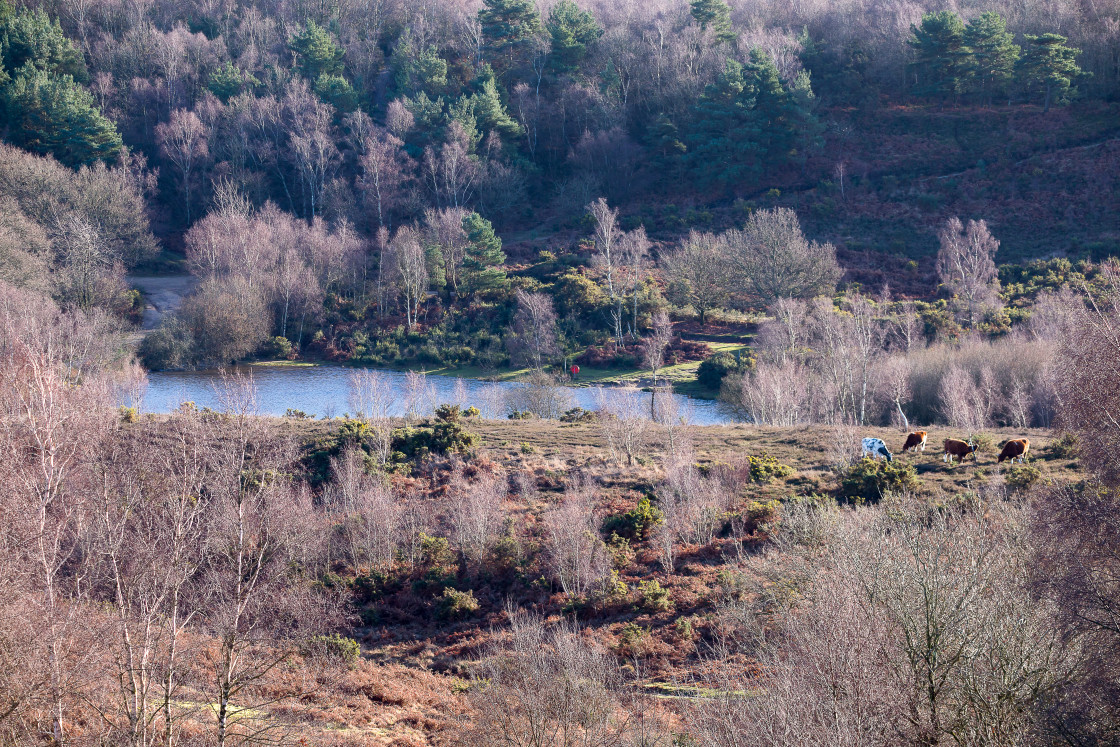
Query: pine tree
714, 16
747, 120
939, 55
482, 263
228, 81
571, 31
54, 115
723, 142
489, 112
991, 56
508, 28
1049, 65
31, 37
316, 51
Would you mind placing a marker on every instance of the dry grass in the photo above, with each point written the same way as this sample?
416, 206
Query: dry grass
408, 688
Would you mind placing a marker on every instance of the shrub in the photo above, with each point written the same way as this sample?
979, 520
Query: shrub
435, 552
171, 345
297, 414
129, 414
471, 412
684, 628
1022, 477
868, 480
441, 437
654, 597
528, 449
455, 604
1065, 447
631, 638
448, 413
277, 347
635, 523
333, 646
983, 443
577, 415
765, 468
712, 370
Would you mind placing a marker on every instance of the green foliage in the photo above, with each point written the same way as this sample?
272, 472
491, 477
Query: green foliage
508, 30
435, 552
424, 71
128, 414
1022, 477
578, 415
482, 264
868, 480
631, 638
169, 346
488, 110
991, 56
571, 31
984, 443
54, 115
316, 53
455, 604
228, 81
448, 413
577, 295
1049, 67
1064, 447
337, 91
441, 437
712, 370
333, 646
765, 468
939, 54
636, 523
653, 597
30, 39
277, 347
745, 122
713, 16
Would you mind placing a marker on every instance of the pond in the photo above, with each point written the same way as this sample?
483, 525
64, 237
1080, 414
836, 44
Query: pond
324, 391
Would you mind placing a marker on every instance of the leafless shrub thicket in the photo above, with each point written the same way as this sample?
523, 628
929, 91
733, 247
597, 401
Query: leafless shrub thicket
913, 628
551, 685
576, 556
861, 362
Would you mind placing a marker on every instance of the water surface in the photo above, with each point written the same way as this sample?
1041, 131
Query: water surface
323, 391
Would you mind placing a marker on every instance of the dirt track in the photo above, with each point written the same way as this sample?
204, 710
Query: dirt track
162, 295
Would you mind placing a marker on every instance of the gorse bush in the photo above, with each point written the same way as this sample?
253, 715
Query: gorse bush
869, 480
765, 468
653, 597
636, 523
333, 646
455, 604
1022, 477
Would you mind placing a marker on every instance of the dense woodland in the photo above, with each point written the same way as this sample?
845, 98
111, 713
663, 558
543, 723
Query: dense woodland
902, 214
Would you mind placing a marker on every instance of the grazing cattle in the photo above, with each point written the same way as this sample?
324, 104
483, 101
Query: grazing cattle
955, 448
1016, 448
875, 448
916, 441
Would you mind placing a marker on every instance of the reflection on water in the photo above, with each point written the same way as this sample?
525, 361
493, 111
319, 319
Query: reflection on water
322, 390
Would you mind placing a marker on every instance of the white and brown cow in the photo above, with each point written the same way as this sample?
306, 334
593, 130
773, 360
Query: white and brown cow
916, 441
958, 450
1016, 448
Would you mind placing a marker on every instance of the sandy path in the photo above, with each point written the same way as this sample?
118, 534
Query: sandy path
162, 295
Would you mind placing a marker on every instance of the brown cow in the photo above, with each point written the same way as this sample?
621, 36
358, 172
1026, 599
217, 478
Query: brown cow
916, 441
1016, 448
958, 449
